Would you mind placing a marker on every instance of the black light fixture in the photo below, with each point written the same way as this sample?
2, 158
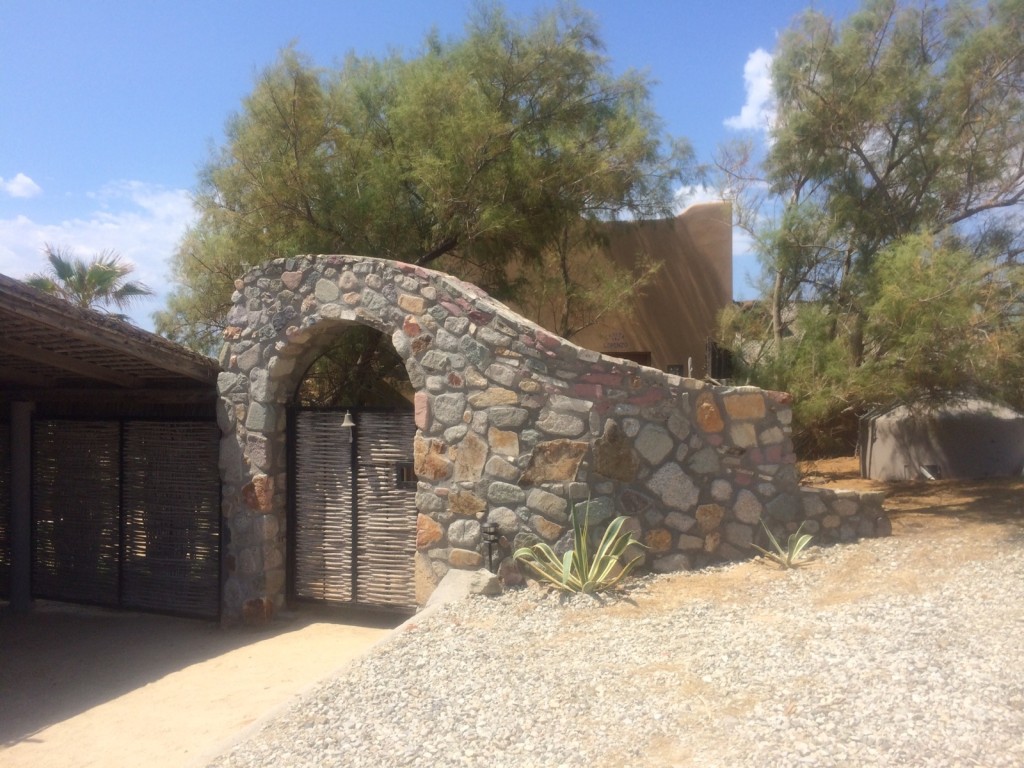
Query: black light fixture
490, 538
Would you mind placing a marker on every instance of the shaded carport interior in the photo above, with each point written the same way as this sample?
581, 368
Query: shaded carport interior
79, 386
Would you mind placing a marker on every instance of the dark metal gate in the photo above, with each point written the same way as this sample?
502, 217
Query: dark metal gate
127, 514
353, 508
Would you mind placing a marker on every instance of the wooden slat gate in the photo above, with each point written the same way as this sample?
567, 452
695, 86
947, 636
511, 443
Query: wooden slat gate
353, 508
127, 514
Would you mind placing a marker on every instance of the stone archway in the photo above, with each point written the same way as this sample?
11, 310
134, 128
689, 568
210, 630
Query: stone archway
514, 426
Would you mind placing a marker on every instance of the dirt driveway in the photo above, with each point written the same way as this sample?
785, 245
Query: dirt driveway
88, 687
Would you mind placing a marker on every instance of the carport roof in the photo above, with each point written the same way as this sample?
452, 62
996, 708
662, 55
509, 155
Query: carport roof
51, 350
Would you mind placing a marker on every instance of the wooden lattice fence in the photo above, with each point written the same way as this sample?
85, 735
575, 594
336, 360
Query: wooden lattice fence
127, 514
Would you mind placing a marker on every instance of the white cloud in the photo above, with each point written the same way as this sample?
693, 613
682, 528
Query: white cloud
141, 222
20, 186
758, 113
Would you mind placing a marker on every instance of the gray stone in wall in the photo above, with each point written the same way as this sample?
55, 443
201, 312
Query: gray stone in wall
739, 535
464, 533
654, 444
679, 522
686, 542
747, 508
256, 419
743, 435
579, 491
248, 359
502, 469
456, 325
506, 520
326, 291
633, 503
505, 493
597, 511
429, 503
783, 507
561, 424
258, 385
813, 504
678, 423
474, 351
846, 507
501, 374
570, 404
435, 360
446, 341
548, 504
705, 461
455, 434
448, 409
227, 383
674, 488
721, 491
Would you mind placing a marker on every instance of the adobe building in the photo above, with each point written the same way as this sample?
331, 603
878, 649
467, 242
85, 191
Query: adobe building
672, 319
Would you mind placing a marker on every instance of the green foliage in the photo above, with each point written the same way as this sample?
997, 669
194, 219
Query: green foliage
360, 368
793, 555
574, 284
892, 233
92, 284
476, 157
582, 569
907, 115
939, 324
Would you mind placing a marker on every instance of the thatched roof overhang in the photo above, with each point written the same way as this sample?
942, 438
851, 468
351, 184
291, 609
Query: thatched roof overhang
54, 352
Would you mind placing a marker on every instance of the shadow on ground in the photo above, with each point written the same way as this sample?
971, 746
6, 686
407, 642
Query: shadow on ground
61, 660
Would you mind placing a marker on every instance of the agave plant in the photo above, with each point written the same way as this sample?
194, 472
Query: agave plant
793, 556
580, 569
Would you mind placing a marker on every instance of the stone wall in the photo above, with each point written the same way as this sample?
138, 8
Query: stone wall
515, 426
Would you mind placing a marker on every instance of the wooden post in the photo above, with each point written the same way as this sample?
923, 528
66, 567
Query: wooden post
21, 506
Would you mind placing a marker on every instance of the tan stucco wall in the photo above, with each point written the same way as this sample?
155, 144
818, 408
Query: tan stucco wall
677, 311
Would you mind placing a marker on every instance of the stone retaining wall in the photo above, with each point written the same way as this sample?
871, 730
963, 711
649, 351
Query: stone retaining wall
515, 427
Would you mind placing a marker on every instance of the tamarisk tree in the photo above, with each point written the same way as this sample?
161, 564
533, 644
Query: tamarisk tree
478, 156
888, 210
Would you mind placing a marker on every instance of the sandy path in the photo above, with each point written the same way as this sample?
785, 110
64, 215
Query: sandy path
81, 687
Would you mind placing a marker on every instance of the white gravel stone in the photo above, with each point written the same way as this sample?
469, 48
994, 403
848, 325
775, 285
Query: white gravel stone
929, 677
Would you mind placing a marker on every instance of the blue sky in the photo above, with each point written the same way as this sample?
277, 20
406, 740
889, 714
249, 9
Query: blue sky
109, 108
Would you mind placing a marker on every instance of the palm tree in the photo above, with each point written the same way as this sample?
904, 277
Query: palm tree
92, 284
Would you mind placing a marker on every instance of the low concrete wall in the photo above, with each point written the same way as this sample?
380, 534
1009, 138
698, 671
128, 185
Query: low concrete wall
515, 427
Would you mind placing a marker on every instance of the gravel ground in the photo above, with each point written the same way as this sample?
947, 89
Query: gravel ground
862, 659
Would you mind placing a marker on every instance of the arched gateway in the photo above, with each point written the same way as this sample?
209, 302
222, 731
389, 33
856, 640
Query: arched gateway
514, 427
